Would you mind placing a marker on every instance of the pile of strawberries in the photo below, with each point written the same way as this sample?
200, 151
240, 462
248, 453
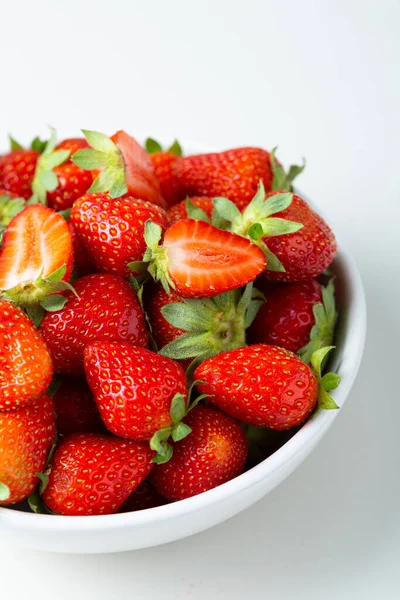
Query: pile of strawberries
159, 314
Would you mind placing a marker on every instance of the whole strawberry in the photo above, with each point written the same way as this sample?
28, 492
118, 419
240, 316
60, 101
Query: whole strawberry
197, 260
92, 474
122, 165
82, 263
26, 368
142, 498
292, 313
26, 438
105, 308
17, 169
265, 385
76, 409
180, 211
164, 162
111, 231
211, 455
137, 392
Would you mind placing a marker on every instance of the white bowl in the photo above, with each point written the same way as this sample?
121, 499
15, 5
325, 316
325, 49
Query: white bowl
131, 531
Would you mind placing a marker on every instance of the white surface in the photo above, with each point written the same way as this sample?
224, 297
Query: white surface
320, 79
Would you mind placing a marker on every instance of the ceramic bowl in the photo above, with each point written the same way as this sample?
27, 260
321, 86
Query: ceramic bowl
129, 531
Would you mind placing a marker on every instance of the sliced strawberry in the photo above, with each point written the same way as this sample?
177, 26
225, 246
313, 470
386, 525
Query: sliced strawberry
199, 261
36, 244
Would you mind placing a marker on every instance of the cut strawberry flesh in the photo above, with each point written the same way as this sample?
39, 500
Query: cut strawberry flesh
139, 171
37, 242
205, 261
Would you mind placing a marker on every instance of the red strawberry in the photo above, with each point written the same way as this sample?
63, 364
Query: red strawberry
25, 364
155, 298
164, 164
82, 262
73, 181
76, 409
291, 312
17, 169
106, 309
234, 174
212, 454
179, 211
142, 498
26, 437
266, 385
125, 167
111, 231
36, 256
134, 389
198, 260
73, 144
93, 474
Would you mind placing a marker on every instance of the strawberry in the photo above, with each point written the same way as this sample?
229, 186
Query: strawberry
234, 174
137, 392
186, 328
105, 308
111, 231
266, 386
164, 163
180, 211
212, 454
26, 438
17, 169
36, 260
82, 262
125, 167
92, 474
292, 313
76, 409
297, 242
142, 498
73, 144
10, 206
199, 260
25, 364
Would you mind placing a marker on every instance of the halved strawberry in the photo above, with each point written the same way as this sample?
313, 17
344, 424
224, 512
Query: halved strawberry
125, 167
36, 258
198, 260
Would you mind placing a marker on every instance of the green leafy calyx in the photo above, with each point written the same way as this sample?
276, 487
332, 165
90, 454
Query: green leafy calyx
327, 382
211, 325
155, 257
282, 180
152, 146
45, 179
323, 330
104, 155
9, 208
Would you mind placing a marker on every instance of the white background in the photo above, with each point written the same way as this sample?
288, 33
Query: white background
321, 79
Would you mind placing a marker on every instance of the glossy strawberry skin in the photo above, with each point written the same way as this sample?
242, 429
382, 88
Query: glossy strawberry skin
233, 174
143, 498
26, 438
26, 368
133, 388
111, 231
211, 455
286, 318
164, 166
204, 261
93, 474
308, 252
260, 385
75, 408
178, 212
155, 298
73, 183
17, 169
107, 309
73, 144
140, 176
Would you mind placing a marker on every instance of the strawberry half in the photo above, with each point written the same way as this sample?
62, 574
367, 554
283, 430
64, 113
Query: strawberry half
198, 260
111, 231
92, 474
36, 260
125, 167
26, 437
26, 368
267, 386
105, 309
212, 454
